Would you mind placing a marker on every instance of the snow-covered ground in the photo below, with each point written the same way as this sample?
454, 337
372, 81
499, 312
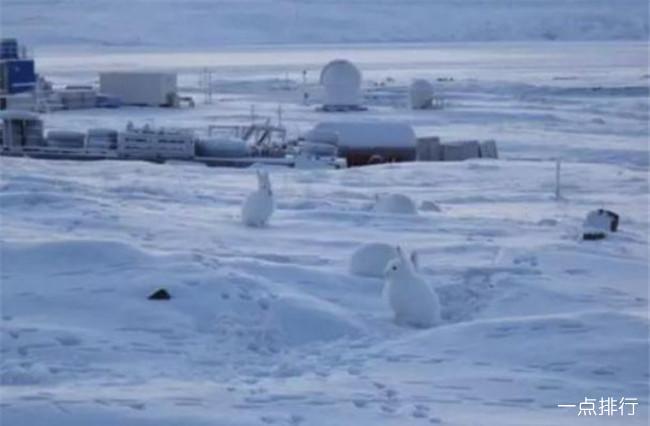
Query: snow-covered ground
268, 326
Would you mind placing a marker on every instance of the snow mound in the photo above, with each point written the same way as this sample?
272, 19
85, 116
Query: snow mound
371, 259
395, 204
60, 255
301, 320
570, 341
272, 325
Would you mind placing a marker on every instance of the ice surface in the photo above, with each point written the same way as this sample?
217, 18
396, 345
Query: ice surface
206, 24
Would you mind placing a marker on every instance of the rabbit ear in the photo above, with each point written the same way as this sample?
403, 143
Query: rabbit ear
400, 254
262, 177
415, 259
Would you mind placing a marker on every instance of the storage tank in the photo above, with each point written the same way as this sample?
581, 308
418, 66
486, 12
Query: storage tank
102, 139
421, 94
222, 148
342, 83
66, 139
366, 142
320, 144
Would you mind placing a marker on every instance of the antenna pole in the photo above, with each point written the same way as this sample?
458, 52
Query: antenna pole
558, 164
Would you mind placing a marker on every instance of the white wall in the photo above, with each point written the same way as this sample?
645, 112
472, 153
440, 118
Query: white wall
139, 88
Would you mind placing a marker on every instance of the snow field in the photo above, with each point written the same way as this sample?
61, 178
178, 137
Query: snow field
267, 326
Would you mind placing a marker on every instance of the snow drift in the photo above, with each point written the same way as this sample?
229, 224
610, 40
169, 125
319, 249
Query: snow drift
270, 327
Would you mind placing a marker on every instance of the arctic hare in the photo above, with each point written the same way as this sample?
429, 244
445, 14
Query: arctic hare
259, 205
394, 204
370, 259
410, 297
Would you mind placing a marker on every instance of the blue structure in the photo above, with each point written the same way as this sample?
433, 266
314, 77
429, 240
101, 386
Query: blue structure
8, 48
19, 75
16, 74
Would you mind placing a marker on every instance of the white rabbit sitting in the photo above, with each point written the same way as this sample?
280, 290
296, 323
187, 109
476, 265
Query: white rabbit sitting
370, 259
259, 205
410, 297
394, 204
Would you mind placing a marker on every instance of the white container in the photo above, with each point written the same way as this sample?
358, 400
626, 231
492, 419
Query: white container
140, 88
156, 144
342, 83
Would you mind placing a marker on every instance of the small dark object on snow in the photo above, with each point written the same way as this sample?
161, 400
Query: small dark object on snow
592, 236
602, 219
613, 226
160, 294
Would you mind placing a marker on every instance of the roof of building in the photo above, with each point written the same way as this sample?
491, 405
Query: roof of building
18, 115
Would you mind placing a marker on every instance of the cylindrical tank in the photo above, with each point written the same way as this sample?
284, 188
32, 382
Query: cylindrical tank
325, 137
318, 149
223, 147
65, 139
421, 94
102, 138
320, 144
342, 83
364, 142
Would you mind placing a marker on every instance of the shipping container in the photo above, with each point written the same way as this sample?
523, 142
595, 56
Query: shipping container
140, 88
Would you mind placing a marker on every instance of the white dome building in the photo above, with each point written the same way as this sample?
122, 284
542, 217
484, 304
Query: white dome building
342, 83
421, 94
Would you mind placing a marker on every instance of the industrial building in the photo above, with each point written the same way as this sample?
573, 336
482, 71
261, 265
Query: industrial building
17, 72
17, 76
20, 129
141, 88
